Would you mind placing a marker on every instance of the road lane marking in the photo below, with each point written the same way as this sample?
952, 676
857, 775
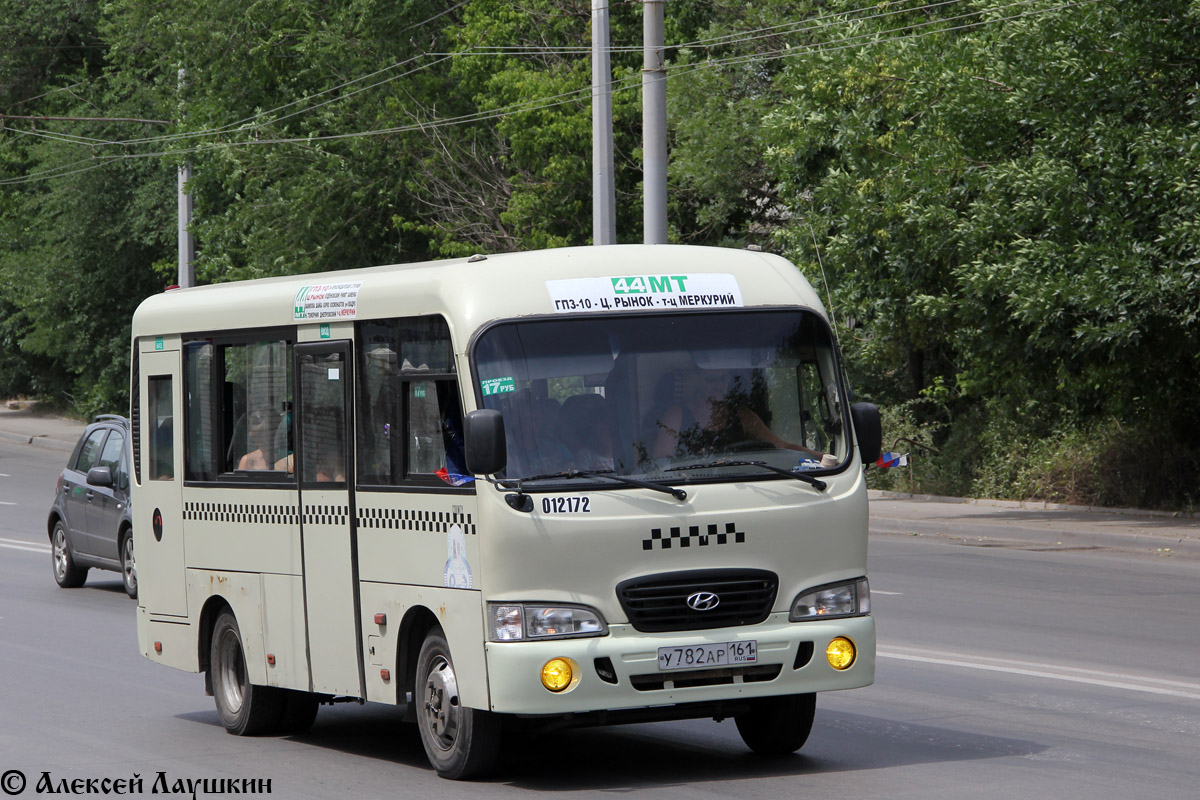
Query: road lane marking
27, 546
1111, 680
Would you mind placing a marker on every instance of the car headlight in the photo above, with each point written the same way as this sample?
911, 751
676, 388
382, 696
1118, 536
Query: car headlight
847, 599
514, 622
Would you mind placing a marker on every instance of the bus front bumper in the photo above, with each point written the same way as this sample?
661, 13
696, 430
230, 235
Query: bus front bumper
622, 670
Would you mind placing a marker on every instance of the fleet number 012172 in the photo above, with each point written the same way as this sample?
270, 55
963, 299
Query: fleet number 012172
706, 656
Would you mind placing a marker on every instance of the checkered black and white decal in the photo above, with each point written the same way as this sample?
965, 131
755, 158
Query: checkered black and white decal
327, 515
414, 520
676, 537
241, 513
387, 518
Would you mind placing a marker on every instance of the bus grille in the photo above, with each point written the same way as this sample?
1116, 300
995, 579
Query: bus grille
656, 603
705, 677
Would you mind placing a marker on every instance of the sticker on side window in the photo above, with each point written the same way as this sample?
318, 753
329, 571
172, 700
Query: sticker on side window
566, 504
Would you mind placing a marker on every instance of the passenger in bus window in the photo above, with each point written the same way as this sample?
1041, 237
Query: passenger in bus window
331, 467
262, 425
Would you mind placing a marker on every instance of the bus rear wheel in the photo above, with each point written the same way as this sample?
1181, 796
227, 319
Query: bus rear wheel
299, 712
460, 742
777, 726
243, 708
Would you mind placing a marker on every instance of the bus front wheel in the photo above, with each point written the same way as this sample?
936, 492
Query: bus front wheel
243, 708
460, 742
777, 726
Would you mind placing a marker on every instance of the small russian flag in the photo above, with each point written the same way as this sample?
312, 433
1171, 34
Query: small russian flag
453, 478
892, 460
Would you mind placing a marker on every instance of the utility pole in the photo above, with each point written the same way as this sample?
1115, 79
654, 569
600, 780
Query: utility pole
187, 246
604, 198
654, 124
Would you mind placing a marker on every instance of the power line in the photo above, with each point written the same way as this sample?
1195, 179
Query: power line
87, 119
257, 115
872, 37
47, 94
55, 136
537, 104
740, 37
797, 27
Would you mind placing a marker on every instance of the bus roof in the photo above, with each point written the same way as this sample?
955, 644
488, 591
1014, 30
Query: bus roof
472, 292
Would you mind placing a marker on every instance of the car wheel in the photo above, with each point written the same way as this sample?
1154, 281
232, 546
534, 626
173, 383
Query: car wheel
777, 726
129, 565
66, 573
460, 742
243, 708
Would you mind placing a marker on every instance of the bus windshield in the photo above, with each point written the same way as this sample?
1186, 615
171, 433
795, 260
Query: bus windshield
665, 397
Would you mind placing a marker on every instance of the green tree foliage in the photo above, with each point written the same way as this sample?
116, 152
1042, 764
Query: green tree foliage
76, 252
1009, 210
1002, 198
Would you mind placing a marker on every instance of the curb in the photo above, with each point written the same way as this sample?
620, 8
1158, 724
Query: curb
1039, 505
41, 441
1017, 537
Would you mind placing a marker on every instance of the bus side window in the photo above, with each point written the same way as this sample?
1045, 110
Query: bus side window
379, 403
426, 450
238, 399
162, 438
435, 428
258, 376
409, 410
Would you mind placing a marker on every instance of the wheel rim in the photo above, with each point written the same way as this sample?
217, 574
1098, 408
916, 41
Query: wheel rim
443, 714
60, 553
231, 672
130, 567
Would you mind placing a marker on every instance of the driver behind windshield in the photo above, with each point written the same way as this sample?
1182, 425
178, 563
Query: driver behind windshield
714, 417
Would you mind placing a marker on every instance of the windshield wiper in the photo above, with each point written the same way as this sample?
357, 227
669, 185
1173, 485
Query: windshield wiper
800, 476
678, 494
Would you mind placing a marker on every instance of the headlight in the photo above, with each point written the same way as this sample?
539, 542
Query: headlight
849, 599
514, 622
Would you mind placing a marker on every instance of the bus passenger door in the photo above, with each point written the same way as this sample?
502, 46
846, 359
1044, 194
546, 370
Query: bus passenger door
158, 539
328, 531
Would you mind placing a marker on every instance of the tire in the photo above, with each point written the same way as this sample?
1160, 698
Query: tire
461, 743
299, 712
777, 726
243, 708
128, 564
66, 573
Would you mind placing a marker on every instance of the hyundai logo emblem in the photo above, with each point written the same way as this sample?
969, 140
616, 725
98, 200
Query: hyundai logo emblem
703, 601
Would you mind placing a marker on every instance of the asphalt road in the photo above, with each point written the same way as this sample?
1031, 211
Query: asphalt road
1004, 672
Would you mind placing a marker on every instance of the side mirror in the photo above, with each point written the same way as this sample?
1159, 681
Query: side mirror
100, 476
868, 430
486, 447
